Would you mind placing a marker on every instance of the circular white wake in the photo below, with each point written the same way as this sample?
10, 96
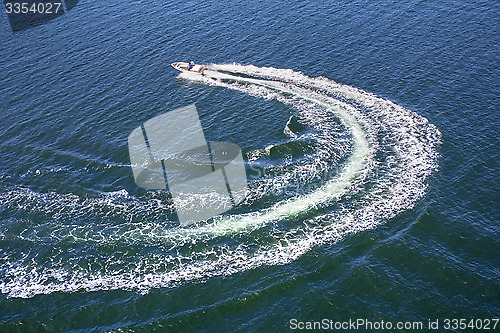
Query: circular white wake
390, 153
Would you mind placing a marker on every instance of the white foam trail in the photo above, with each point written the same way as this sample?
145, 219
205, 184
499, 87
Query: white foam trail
333, 189
392, 153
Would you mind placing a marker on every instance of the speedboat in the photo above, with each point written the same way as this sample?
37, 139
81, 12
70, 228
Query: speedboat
184, 67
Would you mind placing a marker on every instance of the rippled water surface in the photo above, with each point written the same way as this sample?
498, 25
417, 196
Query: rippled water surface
369, 134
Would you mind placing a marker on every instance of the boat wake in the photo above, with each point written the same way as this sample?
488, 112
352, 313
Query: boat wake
353, 161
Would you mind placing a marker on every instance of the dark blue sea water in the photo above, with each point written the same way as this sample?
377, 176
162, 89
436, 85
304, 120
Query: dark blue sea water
370, 137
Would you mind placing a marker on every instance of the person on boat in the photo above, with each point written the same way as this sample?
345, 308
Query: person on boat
191, 64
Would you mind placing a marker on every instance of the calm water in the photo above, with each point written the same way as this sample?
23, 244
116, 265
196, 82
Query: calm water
357, 206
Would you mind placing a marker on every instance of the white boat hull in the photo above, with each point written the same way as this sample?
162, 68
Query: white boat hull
184, 67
